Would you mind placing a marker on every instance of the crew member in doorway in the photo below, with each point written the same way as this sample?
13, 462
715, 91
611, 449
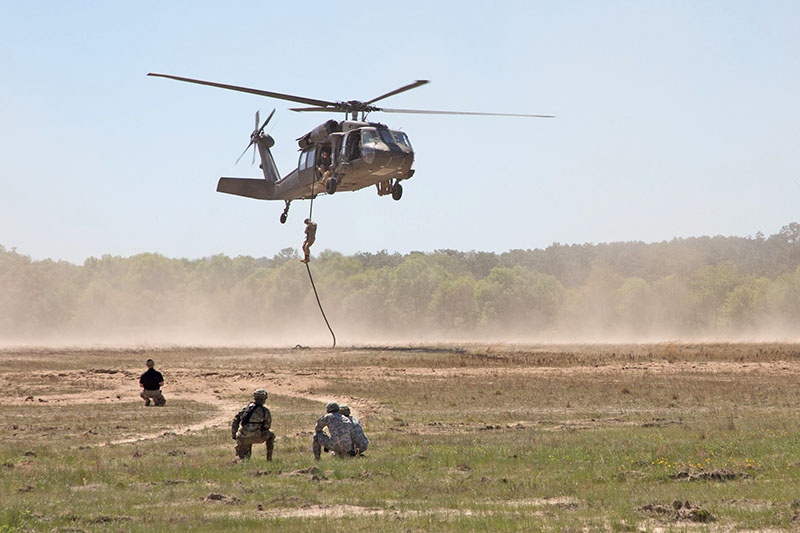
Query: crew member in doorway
324, 167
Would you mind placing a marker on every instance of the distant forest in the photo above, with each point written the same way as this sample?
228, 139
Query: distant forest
703, 287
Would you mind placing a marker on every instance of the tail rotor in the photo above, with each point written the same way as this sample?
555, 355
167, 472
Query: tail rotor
257, 133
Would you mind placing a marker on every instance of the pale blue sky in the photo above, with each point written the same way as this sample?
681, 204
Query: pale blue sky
674, 119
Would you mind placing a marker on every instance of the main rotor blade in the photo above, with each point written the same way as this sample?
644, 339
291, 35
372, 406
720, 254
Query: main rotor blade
397, 91
425, 112
326, 109
259, 92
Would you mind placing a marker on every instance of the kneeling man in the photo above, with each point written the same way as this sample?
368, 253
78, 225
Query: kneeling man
251, 426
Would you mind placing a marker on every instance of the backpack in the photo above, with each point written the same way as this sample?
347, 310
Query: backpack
248, 413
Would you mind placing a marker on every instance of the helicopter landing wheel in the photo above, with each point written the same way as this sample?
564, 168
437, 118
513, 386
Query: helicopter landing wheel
397, 191
285, 213
330, 185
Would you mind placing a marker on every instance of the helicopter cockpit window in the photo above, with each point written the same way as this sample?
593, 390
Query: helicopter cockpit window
368, 136
402, 138
386, 136
394, 137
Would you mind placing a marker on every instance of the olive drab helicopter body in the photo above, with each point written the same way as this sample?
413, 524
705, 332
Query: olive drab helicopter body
360, 153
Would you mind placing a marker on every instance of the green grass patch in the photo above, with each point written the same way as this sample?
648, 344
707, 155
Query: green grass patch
516, 444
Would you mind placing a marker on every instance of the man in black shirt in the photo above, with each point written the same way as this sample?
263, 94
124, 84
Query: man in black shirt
151, 382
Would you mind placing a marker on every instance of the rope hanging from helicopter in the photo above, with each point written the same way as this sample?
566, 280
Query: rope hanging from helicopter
311, 278
242, 186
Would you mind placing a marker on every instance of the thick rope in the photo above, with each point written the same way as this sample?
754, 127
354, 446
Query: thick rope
308, 268
311, 278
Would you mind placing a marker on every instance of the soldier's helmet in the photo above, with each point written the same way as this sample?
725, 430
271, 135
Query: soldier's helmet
332, 407
344, 409
260, 396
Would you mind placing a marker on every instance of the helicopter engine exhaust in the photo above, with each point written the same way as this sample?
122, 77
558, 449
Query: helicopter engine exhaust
319, 134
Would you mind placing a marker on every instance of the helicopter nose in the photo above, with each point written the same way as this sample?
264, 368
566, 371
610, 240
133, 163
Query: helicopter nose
391, 159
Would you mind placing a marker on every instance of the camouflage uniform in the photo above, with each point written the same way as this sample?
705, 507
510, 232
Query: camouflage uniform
360, 440
339, 427
311, 236
255, 421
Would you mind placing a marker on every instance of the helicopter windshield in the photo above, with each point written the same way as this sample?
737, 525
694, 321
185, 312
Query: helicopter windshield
402, 138
394, 137
369, 136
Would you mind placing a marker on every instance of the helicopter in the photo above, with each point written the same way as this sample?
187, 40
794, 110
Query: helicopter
345, 155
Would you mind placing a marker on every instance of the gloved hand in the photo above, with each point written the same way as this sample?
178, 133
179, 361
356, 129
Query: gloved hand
233, 436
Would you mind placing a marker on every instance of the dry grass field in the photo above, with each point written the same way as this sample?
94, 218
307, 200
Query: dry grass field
656, 437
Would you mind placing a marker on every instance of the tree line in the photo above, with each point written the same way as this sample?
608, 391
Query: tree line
721, 287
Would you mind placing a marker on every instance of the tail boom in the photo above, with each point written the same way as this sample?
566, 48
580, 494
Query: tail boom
257, 188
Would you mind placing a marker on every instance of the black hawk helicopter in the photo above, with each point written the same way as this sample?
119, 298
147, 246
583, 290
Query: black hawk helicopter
345, 155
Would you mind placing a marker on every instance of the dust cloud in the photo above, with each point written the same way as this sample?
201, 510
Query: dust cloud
724, 289
310, 330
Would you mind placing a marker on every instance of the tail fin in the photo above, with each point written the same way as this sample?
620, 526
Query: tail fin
268, 166
263, 142
250, 187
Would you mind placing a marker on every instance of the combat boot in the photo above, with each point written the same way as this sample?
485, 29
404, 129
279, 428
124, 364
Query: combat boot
317, 450
243, 452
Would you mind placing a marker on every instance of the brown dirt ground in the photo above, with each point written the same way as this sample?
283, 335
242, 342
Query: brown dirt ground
219, 388
227, 390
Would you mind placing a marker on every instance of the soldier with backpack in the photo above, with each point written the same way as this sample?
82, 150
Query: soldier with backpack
251, 426
339, 440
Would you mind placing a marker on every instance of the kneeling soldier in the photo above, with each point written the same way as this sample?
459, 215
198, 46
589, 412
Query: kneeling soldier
251, 426
360, 440
339, 440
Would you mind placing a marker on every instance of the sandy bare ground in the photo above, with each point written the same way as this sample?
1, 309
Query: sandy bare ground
228, 389
219, 387
216, 388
